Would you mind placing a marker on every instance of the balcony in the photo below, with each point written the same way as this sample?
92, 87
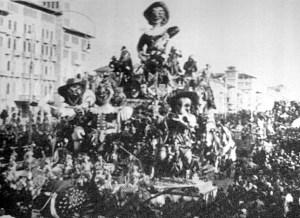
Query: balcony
25, 75
26, 54
53, 58
17, 53
67, 43
28, 35
27, 98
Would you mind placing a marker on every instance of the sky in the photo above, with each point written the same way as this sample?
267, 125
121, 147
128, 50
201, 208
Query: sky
258, 37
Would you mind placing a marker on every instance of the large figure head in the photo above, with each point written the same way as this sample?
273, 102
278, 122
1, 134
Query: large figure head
183, 101
104, 93
157, 14
73, 90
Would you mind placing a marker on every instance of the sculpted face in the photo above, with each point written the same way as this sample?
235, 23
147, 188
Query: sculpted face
158, 15
75, 90
103, 95
183, 106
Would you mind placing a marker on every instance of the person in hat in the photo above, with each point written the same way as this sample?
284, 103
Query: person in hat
152, 44
190, 66
125, 62
77, 98
181, 124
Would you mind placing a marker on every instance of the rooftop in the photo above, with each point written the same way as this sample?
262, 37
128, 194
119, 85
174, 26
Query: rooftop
246, 76
38, 7
77, 32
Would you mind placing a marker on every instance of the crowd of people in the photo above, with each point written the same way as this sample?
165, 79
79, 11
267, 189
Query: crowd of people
102, 149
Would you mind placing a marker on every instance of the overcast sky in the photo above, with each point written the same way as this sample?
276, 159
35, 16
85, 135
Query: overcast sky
259, 37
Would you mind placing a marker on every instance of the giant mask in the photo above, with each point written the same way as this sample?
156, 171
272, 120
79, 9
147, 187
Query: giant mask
157, 14
75, 91
104, 94
183, 106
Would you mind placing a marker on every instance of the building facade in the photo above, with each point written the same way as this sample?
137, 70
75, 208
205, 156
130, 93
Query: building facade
238, 91
28, 53
37, 53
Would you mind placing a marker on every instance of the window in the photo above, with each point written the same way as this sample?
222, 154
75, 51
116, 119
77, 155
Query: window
46, 70
51, 35
24, 87
74, 40
9, 24
14, 88
54, 51
66, 37
24, 46
83, 57
42, 49
1, 21
8, 66
46, 48
43, 33
47, 34
29, 47
24, 67
33, 48
29, 28
53, 5
31, 67
8, 42
74, 57
83, 44
15, 44
57, 5
7, 88
66, 53
15, 26
1, 41
25, 28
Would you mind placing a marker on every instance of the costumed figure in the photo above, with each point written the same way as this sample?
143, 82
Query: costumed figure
152, 44
173, 63
107, 118
78, 99
190, 66
181, 123
176, 74
125, 62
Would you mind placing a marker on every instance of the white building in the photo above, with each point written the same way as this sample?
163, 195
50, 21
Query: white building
38, 53
28, 53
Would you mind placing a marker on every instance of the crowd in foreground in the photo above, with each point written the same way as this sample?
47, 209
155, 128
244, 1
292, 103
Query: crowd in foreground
264, 181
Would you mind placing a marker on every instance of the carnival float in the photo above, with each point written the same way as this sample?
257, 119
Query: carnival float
139, 138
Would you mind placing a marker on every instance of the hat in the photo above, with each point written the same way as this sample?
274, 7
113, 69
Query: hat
72, 81
177, 94
148, 11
